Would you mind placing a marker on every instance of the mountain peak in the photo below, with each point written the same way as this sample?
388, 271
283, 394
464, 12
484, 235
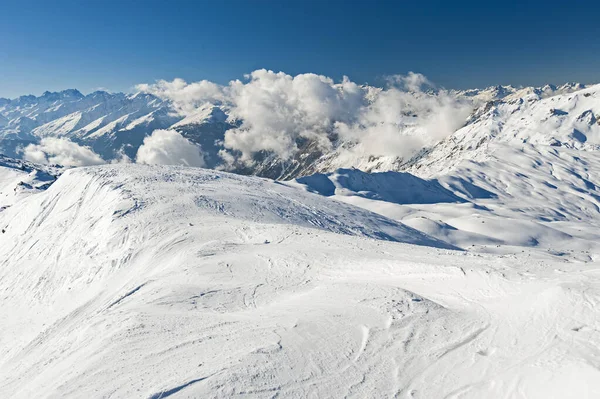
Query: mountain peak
61, 95
72, 93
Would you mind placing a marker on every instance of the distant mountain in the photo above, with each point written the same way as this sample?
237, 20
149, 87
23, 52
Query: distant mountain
115, 124
108, 122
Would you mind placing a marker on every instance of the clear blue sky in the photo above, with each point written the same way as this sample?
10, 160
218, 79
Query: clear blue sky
87, 44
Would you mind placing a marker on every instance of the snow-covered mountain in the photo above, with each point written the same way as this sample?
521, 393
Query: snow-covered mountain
566, 116
110, 123
114, 125
469, 269
524, 168
533, 148
529, 110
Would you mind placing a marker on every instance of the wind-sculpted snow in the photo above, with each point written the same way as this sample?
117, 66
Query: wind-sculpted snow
498, 198
139, 281
527, 167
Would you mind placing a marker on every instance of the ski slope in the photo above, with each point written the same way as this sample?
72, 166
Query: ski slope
154, 282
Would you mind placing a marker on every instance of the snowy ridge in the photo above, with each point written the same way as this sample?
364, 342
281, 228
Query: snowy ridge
523, 169
143, 281
96, 119
509, 92
200, 191
530, 162
566, 116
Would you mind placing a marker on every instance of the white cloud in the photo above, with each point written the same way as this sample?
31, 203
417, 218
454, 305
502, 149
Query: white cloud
399, 123
52, 150
121, 157
168, 147
414, 82
185, 96
274, 110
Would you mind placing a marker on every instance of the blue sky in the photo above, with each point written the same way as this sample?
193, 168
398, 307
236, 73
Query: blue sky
89, 44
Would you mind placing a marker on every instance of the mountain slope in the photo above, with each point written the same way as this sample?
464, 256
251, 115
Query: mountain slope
395, 187
153, 282
525, 170
108, 122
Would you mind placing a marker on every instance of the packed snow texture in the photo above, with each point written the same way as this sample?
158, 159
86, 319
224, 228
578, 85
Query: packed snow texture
143, 281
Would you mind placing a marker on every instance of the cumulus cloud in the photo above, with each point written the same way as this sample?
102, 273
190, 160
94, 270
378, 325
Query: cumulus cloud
121, 157
185, 96
168, 147
273, 111
399, 123
53, 150
276, 109
412, 81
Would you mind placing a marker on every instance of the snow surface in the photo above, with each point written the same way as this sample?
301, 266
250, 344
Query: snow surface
536, 197
140, 281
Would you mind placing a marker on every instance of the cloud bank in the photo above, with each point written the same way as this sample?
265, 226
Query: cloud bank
186, 97
168, 147
276, 110
61, 151
274, 113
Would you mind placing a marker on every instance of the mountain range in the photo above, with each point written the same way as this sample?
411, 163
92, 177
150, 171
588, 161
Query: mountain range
114, 126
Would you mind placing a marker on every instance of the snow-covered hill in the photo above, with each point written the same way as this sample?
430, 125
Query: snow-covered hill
139, 281
529, 161
394, 187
